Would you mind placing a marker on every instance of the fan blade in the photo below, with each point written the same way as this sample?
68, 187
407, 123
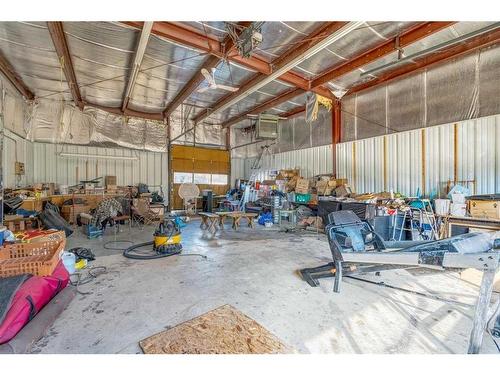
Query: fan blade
203, 89
228, 88
207, 76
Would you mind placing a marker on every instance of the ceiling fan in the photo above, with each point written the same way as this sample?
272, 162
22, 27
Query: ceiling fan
210, 78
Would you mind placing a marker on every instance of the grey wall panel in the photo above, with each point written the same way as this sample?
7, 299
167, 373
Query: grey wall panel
477, 151
310, 161
150, 168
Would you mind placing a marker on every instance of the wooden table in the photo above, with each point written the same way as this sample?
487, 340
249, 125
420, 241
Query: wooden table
237, 216
222, 216
209, 221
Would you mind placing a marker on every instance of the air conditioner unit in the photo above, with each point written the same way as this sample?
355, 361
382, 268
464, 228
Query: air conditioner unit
267, 127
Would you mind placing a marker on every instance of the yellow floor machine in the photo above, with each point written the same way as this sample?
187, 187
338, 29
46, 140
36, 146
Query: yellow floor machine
166, 242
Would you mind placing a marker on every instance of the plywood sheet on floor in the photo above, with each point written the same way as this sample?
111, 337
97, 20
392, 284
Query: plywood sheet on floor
224, 330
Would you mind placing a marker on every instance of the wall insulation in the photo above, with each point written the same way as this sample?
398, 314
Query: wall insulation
461, 89
425, 160
293, 134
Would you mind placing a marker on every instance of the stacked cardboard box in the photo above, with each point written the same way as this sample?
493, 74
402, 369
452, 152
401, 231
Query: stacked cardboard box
110, 182
70, 212
302, 186
288, 178
326, 185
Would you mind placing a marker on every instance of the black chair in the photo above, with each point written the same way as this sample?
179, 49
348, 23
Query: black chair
346, 233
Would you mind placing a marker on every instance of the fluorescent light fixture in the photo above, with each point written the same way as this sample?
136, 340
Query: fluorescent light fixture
285, 68
113, 157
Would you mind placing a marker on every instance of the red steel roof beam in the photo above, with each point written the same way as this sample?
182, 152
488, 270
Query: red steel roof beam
281, 62
480, 41
408, 37
127, 112
264, 106
294, 112
58, 38
190, 38
9, 73
198, 78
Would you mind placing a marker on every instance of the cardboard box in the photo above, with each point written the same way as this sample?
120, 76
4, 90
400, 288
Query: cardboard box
321, 186
343, 191
51, 188
485, 209
302, 186
69, 212
110, 180
286, 174
290, 185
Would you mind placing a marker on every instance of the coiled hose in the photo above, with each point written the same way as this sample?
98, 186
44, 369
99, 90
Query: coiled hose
127, 252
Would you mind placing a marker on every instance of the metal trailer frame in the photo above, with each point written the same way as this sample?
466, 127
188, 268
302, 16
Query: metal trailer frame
488, 263
383, 258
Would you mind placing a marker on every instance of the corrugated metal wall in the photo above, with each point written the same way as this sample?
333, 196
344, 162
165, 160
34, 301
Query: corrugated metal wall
311, 161
150, 168
43, 164
21, 150
401, 161
237, 170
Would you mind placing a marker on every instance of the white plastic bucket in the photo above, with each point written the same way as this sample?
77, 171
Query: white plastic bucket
69, 262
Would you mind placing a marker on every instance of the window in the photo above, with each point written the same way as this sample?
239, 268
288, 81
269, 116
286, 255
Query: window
202, 178
219, 179
183, 177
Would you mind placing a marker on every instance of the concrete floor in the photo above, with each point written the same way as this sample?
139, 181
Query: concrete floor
255, 271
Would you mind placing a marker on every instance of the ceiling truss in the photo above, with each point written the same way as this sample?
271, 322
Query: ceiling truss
225, 50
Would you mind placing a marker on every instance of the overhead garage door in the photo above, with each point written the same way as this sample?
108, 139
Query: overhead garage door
207, 168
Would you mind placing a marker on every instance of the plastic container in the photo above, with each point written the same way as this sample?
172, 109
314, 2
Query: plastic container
442, 206
458, 209
37, 258
458, 198
302, 198
69, 262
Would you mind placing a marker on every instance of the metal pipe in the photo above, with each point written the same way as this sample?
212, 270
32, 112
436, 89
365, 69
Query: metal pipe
247, 144
473, 34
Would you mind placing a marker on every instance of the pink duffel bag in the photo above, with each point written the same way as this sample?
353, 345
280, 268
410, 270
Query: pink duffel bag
30, 298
